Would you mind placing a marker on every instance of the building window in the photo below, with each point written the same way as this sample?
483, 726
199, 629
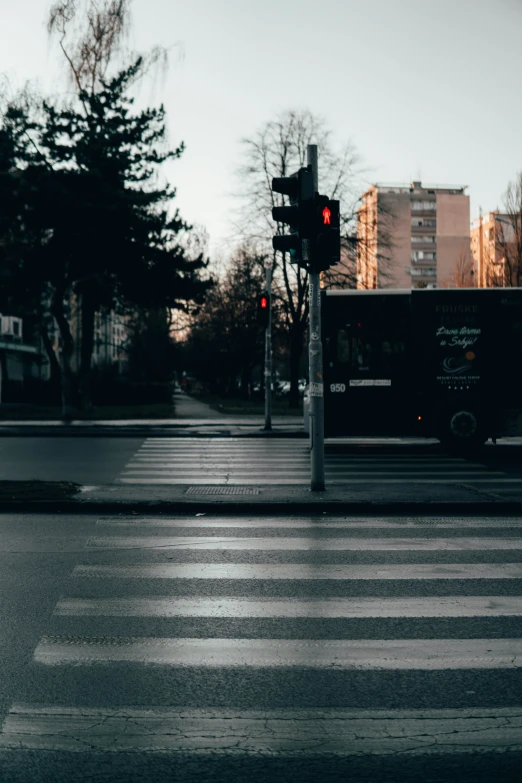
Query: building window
423, 239
423, 205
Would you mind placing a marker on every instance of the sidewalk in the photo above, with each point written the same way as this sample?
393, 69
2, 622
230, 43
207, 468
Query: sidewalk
420, 498
195, 419
192, 419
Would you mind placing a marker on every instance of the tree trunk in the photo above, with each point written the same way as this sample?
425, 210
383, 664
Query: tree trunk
67, 352
86, 349
56, 370
246, 383
296, 350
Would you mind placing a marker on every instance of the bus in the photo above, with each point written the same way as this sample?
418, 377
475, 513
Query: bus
435, 363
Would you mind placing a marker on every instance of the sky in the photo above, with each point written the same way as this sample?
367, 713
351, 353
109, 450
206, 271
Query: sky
424, 89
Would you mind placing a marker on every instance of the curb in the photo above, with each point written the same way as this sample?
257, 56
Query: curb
283, 508
140, 432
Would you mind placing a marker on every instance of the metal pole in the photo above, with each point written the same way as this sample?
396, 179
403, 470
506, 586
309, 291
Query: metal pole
268, 349
315, 357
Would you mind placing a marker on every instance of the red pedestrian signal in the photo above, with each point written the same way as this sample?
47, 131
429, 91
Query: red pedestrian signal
263, 309
327, 235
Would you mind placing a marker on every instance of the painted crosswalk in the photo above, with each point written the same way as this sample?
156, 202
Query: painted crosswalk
282, 608
240, 461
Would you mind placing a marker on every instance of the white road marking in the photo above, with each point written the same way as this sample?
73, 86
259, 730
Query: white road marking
261, 480
379, 654
311, 571
276, 471
319, 522
306, 544
234, 461
447, 606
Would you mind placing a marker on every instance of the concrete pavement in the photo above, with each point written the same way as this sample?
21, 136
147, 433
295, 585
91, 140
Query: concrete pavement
196, 419
192, 419
399, 498
166, 648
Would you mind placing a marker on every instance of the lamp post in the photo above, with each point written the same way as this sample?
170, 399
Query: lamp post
268, 348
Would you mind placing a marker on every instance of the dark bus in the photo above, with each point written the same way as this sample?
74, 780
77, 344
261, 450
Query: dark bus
437, 363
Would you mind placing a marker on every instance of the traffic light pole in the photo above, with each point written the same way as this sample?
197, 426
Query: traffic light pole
268, 350
315, 357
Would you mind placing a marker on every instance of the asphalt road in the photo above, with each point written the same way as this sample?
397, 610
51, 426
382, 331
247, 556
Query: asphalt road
83, 460
263, 649
95, 461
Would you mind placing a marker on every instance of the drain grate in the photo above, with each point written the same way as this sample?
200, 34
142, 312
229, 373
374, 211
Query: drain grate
222, 491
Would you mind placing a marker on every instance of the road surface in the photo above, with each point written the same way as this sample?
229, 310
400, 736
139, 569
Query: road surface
261, 649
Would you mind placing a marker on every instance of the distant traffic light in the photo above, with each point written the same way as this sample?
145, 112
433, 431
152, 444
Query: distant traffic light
326, 249
297, 215
263, 309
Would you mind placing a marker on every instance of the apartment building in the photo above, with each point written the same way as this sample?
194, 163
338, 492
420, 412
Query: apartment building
494, 249
412, 236
19, 359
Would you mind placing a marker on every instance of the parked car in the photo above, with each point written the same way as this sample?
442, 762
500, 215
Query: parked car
284, 387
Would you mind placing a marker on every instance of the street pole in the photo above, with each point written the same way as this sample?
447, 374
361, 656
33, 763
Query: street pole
315, 358
268, 349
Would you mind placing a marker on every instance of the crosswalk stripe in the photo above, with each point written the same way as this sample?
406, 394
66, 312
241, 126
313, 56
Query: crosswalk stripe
255, 478
209, 478
447, 606
353, 654
291, 471
292, 571
236, 461
304, 461
286, 733
315, 523
79, 649
306, 544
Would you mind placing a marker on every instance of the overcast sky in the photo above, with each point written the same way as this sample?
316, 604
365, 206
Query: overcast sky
425, 89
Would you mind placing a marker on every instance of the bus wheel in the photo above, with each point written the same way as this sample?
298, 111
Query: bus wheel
461, 431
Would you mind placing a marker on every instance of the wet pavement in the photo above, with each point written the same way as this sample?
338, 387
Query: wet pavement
212, 648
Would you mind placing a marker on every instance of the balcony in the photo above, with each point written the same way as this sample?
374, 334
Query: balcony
423, 258
425, 206
422, 271
428, 230
426, 244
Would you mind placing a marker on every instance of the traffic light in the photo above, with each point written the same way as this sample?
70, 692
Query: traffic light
297, 216
326, 249
263, 309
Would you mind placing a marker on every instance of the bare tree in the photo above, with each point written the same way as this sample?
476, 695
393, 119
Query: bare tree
508, 236
226, 340
279, 149
92, 36
376, 217
463, 275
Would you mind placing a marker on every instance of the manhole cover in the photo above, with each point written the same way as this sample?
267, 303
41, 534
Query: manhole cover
222, 491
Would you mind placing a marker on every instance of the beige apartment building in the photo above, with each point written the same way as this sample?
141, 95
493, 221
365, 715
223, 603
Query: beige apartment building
494, 250
413, 236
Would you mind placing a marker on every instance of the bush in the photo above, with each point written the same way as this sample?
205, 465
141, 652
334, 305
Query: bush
118, 390
31, 391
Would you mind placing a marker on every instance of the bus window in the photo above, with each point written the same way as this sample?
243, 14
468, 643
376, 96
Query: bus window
343, 347
361, 353
369, 356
